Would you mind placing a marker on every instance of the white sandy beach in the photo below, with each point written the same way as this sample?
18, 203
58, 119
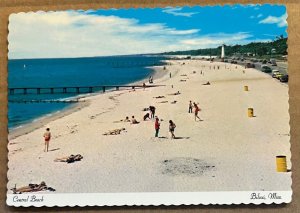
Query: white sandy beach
227, 151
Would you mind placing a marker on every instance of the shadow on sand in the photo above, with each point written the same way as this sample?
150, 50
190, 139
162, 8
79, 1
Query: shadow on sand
51, 150
181, 138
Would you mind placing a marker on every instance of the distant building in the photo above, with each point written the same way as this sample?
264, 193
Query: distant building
223, 52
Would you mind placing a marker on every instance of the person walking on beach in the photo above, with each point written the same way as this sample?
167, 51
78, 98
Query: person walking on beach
172, 127
156, 126
197, 109
190, 107
47, 137
170, 75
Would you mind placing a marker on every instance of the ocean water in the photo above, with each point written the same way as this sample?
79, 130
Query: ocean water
96, 71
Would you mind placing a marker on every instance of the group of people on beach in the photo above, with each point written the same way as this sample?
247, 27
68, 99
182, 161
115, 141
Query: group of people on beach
172, 127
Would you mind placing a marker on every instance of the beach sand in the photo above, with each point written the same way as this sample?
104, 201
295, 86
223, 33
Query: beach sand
227, 151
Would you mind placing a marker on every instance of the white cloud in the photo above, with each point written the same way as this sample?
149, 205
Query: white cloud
76, 34
280, 21
259, 15
178, 12
217, 39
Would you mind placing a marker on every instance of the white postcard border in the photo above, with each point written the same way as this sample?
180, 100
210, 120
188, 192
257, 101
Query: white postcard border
151, 198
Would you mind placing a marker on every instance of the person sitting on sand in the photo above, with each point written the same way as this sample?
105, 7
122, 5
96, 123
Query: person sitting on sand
172, 127
207, 83
47, 137
197, 109
134, 121
146, 116
125, 120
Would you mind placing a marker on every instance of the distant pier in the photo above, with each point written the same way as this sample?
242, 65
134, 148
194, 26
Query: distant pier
71, 90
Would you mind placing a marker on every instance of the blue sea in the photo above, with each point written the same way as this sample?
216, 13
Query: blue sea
68, 72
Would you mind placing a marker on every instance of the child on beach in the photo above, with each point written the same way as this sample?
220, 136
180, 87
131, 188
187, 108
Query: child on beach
190, 107
47, 137
197, 109
172, 127
156, 126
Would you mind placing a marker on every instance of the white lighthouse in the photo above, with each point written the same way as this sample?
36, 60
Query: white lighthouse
223, 52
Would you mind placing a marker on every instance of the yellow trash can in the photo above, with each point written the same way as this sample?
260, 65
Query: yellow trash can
281, 163
245, 88
250, 112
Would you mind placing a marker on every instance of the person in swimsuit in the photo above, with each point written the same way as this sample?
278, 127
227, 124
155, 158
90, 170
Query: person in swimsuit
134, 121
47, 137
156, 126
172, 127
152, 111
190, 107
197, 109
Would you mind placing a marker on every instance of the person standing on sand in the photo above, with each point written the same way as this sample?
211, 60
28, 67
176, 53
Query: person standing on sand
156, 126
197, 109
172, 127
190, 107
170, 75
152, 110
47, 137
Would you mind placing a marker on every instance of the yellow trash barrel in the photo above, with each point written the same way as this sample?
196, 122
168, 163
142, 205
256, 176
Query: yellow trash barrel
245, 88
281, 163
250, 112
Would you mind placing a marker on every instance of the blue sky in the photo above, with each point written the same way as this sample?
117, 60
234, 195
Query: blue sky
135, 31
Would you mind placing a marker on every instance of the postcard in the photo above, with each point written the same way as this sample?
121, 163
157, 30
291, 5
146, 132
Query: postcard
149, 106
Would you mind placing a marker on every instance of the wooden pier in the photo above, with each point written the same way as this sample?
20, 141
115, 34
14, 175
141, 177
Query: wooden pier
45, 101
71, 90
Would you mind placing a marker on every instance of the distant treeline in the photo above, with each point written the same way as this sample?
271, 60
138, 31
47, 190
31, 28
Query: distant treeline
276, 47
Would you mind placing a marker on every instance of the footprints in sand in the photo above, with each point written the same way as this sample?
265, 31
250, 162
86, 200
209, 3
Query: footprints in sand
96, 115
116, 103
187, 166
71, 129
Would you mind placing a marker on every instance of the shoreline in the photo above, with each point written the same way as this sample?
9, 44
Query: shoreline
42, 121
